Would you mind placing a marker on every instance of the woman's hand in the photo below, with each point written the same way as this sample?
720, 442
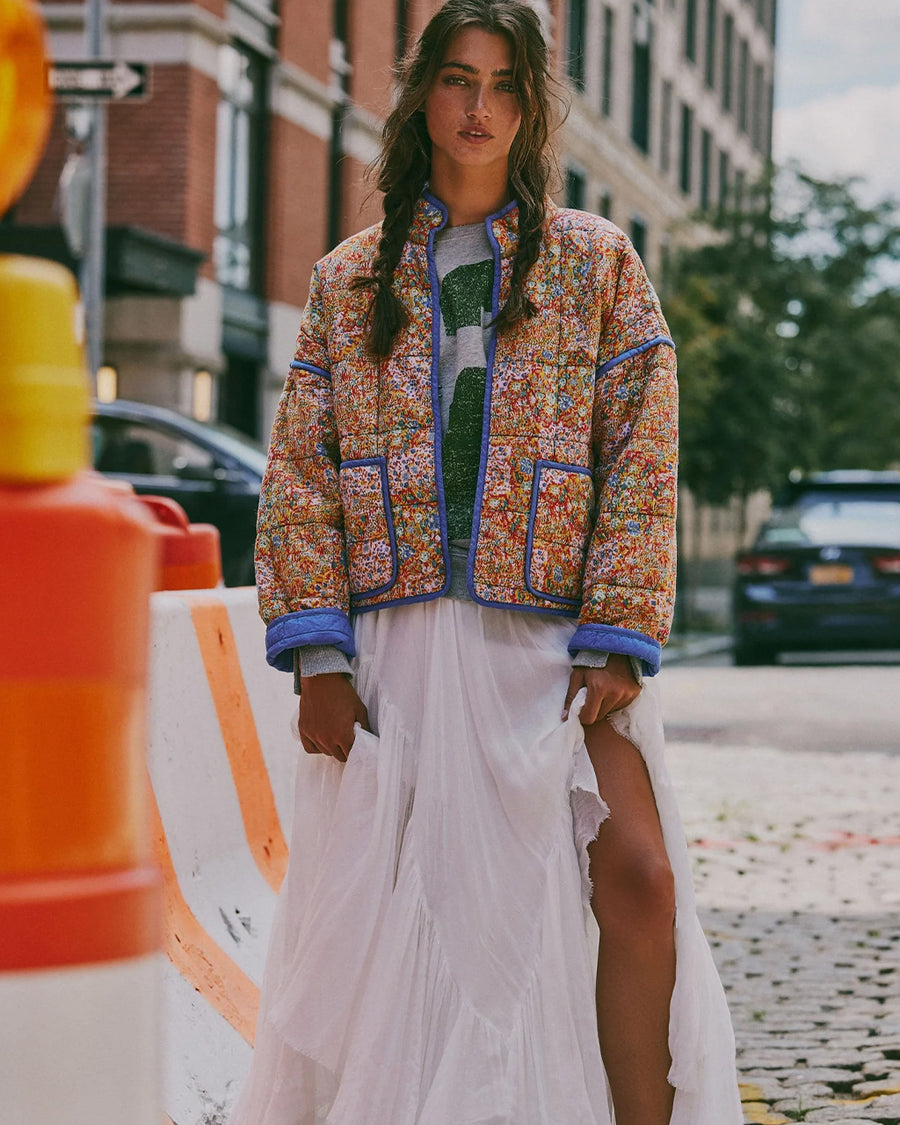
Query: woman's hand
608, 689
329, 707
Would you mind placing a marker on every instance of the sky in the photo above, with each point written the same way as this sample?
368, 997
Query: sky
837, 90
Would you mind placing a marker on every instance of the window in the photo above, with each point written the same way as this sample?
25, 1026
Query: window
605, 205
577, 42
727, 61
724, 173
576, 183
740, 184
237, 248
769, 109
709, 69
759, 112
743, 83
639, 235
705, 168
608, 32
665, 127
139, 449
690, 30
640, 79
687, 149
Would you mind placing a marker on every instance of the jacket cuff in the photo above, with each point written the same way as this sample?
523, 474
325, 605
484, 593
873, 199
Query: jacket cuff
307, 627
611, 638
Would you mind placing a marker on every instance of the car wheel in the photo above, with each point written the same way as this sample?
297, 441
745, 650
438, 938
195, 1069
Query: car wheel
745, 655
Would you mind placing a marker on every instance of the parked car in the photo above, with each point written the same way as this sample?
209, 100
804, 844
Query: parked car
213, 471
824, 572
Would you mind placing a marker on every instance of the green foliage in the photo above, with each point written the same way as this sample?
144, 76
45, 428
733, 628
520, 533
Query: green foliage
788, 334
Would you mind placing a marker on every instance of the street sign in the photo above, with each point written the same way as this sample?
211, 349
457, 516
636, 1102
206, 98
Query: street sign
98, 80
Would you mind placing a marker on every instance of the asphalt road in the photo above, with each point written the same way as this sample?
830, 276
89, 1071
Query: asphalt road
828, 706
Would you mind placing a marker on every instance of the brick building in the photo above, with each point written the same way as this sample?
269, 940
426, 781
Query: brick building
246, 162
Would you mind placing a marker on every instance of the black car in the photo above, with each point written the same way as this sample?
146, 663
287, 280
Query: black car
213, 471
824, 572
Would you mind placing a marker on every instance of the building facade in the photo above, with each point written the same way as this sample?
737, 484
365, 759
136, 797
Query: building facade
671, 112
246, 162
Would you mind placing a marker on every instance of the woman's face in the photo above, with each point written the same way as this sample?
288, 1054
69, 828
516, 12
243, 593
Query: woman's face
472, 111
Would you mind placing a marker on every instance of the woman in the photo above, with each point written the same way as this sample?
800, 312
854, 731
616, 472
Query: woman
475, 447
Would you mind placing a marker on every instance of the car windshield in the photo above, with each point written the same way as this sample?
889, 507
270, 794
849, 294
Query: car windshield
851, 521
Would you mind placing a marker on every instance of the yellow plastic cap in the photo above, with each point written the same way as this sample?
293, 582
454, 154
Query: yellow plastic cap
25, 105
44, 405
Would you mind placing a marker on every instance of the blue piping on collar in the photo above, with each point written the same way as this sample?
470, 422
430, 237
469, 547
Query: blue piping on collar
435, 400
435, 391
488, 394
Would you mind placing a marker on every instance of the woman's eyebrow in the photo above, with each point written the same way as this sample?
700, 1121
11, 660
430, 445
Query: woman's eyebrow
469, 69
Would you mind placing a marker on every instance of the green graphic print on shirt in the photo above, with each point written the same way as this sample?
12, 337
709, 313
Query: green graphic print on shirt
465, 292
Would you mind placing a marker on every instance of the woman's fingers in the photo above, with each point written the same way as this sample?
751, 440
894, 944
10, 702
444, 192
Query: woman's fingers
329, 708
608, 689
576, 683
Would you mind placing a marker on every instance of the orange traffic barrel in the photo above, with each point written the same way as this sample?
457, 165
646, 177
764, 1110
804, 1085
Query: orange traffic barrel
191, 553
80, 898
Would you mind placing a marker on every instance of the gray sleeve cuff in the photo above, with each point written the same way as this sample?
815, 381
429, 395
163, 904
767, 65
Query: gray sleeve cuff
593, 658
315, 660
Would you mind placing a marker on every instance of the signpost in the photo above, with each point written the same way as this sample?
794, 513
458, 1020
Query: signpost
93, 82
98, 80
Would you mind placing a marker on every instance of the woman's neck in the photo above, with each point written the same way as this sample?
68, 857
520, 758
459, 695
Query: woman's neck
469, 194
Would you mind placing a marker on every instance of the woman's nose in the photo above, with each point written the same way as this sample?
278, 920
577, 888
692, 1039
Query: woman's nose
478, 103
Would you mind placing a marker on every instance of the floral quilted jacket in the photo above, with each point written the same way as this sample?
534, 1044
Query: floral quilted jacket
575, 506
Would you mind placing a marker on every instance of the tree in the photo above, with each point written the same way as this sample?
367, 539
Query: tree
788, 332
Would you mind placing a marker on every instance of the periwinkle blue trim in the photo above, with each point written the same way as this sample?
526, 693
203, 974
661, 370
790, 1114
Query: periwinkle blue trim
488, 394
435, 388
540, 464
478, 601
298, 365
381, 462
307, 627
632, 352
441, 593
612, 638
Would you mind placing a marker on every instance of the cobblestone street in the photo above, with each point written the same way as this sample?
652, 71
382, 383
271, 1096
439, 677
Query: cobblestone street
795, 856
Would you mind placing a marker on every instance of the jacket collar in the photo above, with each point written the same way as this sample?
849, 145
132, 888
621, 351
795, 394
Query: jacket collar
431, 215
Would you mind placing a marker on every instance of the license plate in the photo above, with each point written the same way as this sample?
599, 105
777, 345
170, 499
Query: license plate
831, 575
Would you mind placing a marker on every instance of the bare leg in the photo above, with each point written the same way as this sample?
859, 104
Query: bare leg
634, 904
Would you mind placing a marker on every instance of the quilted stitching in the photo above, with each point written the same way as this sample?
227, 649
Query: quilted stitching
589, 382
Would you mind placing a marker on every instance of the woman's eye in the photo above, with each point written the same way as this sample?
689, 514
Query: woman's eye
506, 88
454, 80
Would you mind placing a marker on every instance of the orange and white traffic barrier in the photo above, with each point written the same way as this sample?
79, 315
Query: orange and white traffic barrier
222, 763
79, 890
191, 553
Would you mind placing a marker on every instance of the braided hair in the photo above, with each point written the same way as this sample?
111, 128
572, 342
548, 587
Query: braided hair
405, 162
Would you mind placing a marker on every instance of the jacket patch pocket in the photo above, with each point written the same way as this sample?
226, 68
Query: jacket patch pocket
368, 526
559, 527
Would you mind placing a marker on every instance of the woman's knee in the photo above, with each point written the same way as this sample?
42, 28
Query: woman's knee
636, 894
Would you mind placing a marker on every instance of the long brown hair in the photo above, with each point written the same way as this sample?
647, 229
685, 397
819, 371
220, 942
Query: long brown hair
405, 162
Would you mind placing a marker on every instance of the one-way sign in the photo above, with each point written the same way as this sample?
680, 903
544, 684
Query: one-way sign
98, 80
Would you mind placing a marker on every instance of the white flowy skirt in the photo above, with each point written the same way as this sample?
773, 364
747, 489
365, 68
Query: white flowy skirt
433, 953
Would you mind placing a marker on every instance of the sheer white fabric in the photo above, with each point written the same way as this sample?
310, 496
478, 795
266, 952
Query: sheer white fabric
433, 954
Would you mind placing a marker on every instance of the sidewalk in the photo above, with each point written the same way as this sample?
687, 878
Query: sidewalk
796, 866
691, 645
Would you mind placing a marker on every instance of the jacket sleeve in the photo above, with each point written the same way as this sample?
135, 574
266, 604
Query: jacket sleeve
301, 568
629, 576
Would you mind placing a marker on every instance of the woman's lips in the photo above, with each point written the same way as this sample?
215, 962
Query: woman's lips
476, 136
